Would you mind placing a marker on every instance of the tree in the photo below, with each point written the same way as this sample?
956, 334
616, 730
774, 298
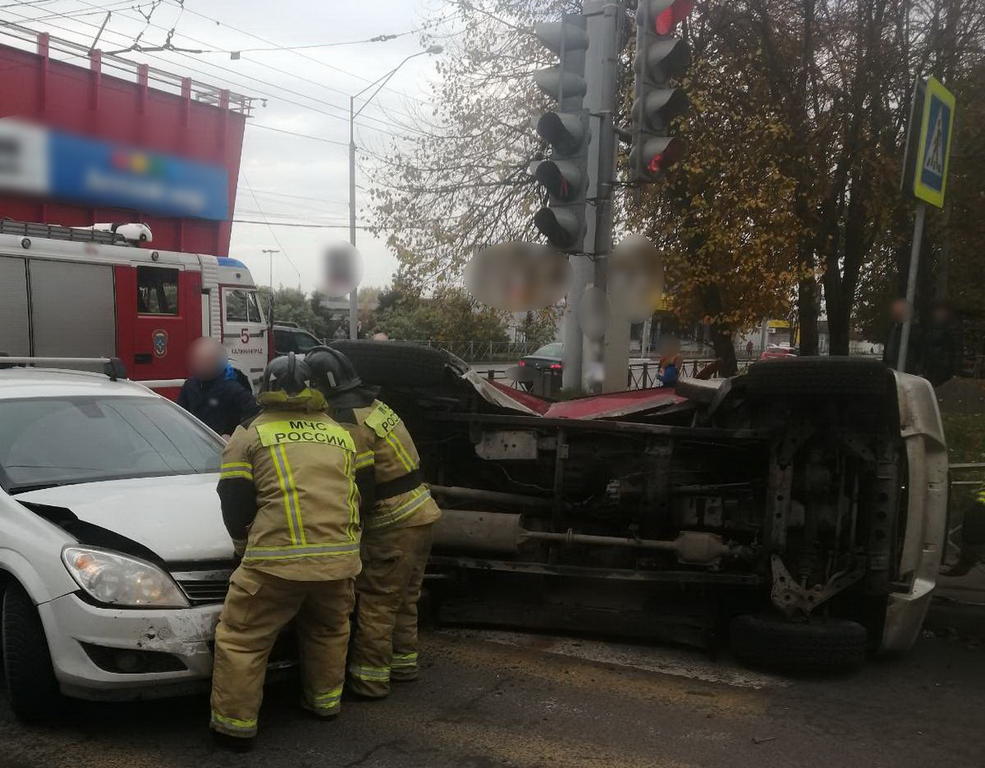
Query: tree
790, 189
450, 315
464, 183
293, 306
725, 218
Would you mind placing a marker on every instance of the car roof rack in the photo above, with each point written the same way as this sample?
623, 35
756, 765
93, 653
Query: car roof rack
59, 232
113, 367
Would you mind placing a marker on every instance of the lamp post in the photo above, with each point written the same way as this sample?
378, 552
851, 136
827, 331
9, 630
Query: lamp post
379, 84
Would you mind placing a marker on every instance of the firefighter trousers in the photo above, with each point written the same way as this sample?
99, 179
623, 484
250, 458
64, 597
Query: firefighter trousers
257, 609
384, 646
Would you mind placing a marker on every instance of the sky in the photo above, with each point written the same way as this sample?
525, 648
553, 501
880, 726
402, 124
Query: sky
283, 178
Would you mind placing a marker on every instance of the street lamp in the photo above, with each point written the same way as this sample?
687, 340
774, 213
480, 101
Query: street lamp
379, 84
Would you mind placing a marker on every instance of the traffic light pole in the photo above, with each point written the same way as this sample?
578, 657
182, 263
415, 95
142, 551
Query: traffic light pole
604, 362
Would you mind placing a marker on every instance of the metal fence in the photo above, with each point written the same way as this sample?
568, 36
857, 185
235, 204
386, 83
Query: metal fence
646, 374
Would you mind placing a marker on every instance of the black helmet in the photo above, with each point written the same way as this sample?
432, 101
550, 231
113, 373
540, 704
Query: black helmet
331, 371
286, 374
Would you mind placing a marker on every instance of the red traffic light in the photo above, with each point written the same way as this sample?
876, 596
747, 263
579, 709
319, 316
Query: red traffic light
671, 16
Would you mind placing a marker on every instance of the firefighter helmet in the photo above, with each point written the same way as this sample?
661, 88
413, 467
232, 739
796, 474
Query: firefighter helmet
286, 374
331, 371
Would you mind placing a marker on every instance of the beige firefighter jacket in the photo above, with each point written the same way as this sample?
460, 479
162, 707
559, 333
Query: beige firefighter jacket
304, 521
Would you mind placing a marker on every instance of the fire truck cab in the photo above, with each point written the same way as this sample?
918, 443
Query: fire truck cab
88, 293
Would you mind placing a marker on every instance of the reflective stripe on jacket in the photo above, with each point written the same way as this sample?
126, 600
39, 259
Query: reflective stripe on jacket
383, 442
302, 466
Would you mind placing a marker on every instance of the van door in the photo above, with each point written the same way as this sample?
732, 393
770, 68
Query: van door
244, 332
167, 318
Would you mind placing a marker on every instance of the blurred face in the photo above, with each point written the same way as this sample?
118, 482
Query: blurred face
206, 359
899, 310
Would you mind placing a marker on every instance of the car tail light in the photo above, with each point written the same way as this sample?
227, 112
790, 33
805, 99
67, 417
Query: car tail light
555, 366
521, 363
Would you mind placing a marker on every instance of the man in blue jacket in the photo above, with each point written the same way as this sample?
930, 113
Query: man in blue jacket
214, 392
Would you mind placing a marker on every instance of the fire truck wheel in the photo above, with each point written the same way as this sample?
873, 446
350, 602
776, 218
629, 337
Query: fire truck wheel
396, 363
813, 647
31, 684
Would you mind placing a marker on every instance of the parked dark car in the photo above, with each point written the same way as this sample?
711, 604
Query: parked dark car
291, 338
547, 358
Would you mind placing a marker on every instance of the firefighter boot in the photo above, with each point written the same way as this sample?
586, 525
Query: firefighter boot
403, 667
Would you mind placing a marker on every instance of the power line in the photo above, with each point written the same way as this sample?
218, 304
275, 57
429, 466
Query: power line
343, 225
299, 135
297, 53
273, 234
248, 86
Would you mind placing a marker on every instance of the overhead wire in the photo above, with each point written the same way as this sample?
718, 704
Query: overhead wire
273, 234
186, 53
297, 53
226, 80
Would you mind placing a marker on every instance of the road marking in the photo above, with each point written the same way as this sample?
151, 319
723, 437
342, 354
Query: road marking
649, 658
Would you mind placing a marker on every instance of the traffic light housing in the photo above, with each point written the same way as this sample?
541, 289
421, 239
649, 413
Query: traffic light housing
564, 174
660, 59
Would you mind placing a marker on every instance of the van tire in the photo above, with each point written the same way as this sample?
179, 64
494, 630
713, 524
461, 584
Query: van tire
813, 647
31, 685
398, 363
818, 376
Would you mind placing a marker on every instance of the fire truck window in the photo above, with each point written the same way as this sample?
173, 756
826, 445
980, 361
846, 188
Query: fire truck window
253, 308
157, 291
236, 311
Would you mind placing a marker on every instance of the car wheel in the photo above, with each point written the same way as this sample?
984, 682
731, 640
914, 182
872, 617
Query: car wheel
818, 376
771, 642
31, 684
395, 363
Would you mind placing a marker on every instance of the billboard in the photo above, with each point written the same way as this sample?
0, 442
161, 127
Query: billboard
36, 160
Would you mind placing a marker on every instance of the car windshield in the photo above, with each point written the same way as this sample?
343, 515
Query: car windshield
63, 440
554, 349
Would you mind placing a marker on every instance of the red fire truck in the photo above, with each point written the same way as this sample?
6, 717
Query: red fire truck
76, 292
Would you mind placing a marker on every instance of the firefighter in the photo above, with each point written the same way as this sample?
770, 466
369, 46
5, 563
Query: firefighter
397, 522
290, 503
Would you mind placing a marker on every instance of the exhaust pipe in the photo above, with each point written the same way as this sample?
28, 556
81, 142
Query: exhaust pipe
463, 530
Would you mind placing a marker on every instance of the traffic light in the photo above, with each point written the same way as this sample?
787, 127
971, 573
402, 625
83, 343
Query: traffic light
565, 173
660, 59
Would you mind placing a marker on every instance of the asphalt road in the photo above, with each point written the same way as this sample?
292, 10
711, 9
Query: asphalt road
494, 698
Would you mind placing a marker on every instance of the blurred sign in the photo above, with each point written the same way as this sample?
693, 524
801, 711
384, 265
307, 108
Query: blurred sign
341, 269
635, 278
518, 276
38, 161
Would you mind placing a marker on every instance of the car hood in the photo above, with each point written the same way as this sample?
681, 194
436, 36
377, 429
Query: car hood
176, 517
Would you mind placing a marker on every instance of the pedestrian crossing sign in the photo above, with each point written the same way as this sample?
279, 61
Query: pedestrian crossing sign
934, 147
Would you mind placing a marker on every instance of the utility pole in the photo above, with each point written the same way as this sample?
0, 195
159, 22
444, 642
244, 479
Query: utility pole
354, 293
377, 85
270, 299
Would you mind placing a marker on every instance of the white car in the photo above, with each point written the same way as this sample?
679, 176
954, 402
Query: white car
114, 560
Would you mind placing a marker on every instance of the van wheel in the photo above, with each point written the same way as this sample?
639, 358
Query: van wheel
771, 642
31, 684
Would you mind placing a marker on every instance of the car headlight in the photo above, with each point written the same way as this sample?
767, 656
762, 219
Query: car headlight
117, 579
